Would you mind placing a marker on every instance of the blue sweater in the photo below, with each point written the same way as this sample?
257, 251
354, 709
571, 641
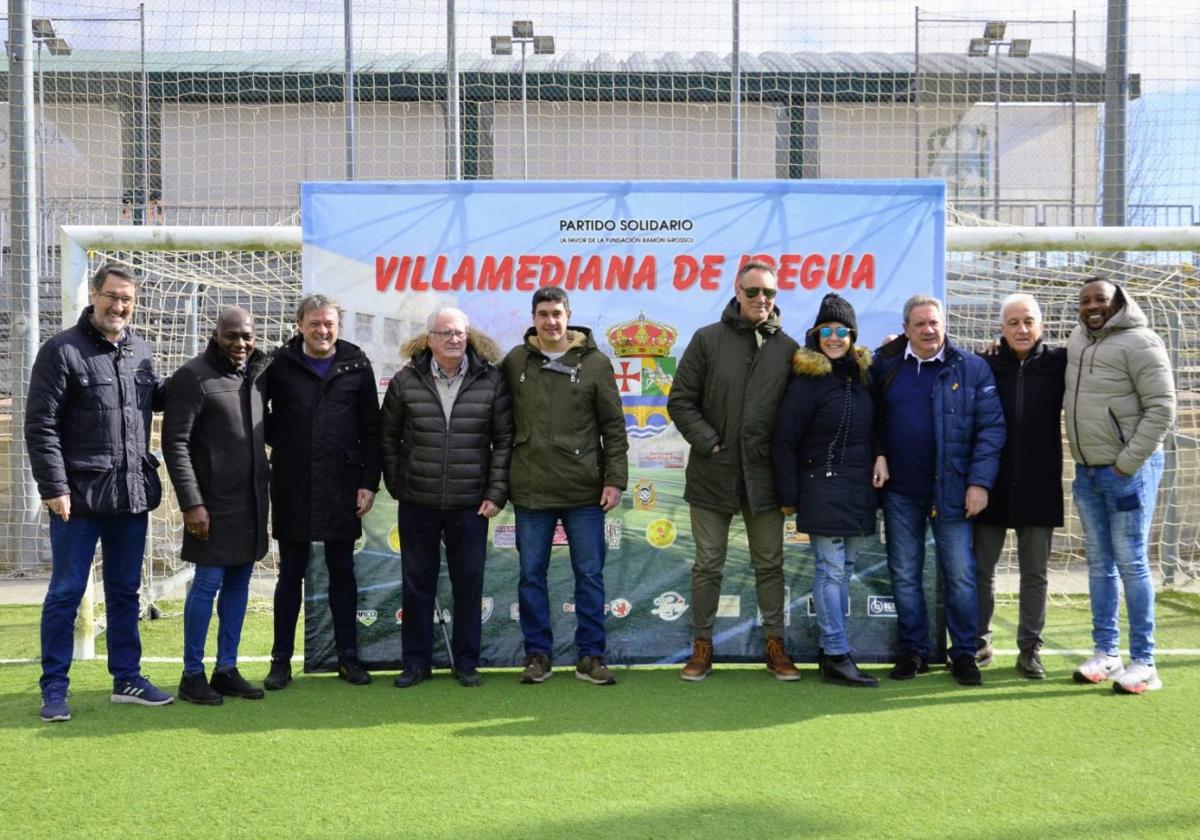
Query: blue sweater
908, 428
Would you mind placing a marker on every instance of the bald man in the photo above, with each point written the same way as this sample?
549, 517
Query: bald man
216, 456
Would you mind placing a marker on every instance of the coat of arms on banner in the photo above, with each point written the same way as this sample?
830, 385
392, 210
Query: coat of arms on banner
645, 496
644, 370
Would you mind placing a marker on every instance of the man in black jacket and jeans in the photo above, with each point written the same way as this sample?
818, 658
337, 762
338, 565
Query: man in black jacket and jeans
447, 440
323, 429
1027, 496
87, 429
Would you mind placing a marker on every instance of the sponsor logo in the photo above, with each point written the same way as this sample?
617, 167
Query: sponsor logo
504, 536
613, 533
384, 381
669, 606
787, 609
645, 497
514, 612
619, 607
394, 539
644, 373
568, 607
661, 460
811, 604
485, 609
441, 617
560, 535
367, 617
400, 616
881, 606
729, 606
660, 533
791, 536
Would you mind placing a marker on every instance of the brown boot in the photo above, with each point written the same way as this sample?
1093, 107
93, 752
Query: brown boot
700, 664
778, 661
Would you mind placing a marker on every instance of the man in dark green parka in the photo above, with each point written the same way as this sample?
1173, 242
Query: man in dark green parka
723, 401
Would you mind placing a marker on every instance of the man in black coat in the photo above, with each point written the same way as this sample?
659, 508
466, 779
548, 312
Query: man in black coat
87, 430
323, 429
1028, 494
214, 445
447, 441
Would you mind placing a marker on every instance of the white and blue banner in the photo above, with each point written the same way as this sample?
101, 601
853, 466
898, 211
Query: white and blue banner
645, 263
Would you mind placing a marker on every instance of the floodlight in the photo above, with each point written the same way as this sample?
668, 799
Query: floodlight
58, 46
994, 30
522, 29
978, 47
543, 45
1019, 47
501, 45
43, 28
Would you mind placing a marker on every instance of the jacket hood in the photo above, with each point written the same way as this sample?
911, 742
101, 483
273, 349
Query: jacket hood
255, 361
732, 315
483, 344
579, 338
814, 364
1128, 317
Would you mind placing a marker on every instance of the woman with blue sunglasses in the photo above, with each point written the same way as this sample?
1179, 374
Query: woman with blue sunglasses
824, 469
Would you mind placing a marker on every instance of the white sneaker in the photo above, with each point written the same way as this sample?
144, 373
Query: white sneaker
1138, 677
1099, 668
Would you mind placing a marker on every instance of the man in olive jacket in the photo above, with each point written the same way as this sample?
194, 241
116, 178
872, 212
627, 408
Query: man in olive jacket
215, 448
447, 439
1120, 403
569, 464
730, 380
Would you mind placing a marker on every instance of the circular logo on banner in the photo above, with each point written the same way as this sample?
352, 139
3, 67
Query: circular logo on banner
394, 539
660, 533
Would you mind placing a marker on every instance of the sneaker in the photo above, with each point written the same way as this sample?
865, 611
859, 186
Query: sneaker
231, 683
778, 661
592, 669
700, 665
1100, 667
352, 671
279, 676
1029, 665
141, 691
965, 670
194, 688
984, 656
537, 669
908, 665
54, 703
412, 676
1138, 677
468, 678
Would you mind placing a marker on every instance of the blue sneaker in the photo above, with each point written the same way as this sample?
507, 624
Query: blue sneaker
141, 691
54, 703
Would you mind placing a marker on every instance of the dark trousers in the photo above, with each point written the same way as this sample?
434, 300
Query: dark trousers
422, 532
1033, 556
343, 595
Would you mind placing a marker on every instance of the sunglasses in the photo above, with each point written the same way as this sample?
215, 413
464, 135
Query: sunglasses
752, 292
840, 332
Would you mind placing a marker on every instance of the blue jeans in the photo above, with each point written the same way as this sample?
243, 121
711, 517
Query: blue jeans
585, 533
835, 558
1116, 513
233, 582
905, 519
122, 540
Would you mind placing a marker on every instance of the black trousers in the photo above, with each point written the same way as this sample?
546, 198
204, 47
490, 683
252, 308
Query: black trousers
422, 531
343, 595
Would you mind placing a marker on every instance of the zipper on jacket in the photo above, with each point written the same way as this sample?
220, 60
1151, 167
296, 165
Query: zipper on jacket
1016, 448
1117, 423
1075, 412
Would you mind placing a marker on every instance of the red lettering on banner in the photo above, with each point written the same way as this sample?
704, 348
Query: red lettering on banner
836, 280
788, 272
464, 276
646, 275
493, 275
418, 284
552, 271
812, 271
385, 270
710, 273
620, 269
526, 272
686, 271
591, 276
439, 270
864, 275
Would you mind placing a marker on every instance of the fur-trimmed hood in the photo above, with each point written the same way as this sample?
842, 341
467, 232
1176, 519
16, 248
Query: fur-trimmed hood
483, 344
578, 338
815, 364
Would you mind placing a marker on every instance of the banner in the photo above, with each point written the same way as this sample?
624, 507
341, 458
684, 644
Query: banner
645, 263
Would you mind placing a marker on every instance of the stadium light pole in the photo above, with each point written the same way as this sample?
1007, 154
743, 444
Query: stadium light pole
990, 43
44, 36
522, 33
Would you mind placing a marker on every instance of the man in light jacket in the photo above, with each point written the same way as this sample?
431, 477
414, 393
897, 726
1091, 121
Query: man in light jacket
1120, 403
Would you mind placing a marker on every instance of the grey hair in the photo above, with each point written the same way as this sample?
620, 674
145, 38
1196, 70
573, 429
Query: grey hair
921, 300
446, 310
311, 303
1021, 297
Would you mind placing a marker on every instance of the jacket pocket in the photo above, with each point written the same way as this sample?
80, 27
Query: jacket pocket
1112, 415
150, 479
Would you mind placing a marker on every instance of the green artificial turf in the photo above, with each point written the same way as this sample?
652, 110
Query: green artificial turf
740, 755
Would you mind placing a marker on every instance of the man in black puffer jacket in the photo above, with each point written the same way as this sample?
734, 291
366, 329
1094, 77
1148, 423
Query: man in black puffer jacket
447, 439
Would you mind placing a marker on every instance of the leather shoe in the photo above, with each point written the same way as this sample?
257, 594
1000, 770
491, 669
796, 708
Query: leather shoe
964, 670
231, 683
1029, 664
411, 676
844, 673
908, 666
279, 676
352, 671
468, 679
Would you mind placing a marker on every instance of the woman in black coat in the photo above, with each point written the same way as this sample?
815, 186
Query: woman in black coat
823, 470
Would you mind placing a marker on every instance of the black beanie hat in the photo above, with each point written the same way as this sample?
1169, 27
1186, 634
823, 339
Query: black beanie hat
837, 308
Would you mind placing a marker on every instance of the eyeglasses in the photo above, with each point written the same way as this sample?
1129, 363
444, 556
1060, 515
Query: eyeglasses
111, 298
840, 332
447, 335
752, 292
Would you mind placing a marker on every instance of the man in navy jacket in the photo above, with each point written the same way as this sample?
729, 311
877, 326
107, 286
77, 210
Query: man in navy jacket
940, 432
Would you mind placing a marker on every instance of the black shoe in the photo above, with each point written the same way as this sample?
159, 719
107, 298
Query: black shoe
908, 666
1029, 664
279, 676
232, 684
352, 671
468, 679
844, 673
411, 676
964, 670
194, 688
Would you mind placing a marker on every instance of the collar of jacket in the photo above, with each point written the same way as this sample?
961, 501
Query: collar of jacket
732, 315
1007, 354
89, 329
422, 363
896, 346
483, 345
580, 342
815, 364
346, 356
255, 362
